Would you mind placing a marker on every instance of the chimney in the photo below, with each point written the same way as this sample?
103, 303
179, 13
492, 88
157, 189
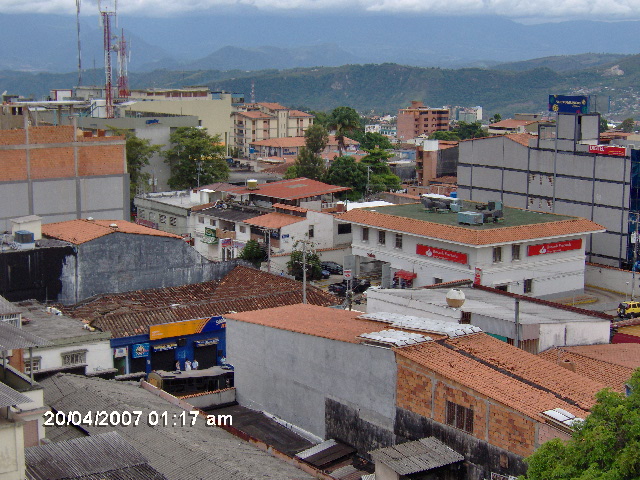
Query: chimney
340, 207
568, 364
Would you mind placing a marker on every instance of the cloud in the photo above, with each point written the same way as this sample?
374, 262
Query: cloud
551, 9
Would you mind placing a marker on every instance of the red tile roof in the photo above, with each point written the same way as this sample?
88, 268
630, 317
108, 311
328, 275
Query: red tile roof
271, 106
242, 289
292, 189
521, 138
610, 364
298, 113
471, 236
291, 208
81, 231
512, 123
255, 114
274, 220
280, 142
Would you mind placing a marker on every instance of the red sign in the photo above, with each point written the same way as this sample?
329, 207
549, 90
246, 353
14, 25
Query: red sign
554, 247
441, 254
607, 150
477, 279
146, 223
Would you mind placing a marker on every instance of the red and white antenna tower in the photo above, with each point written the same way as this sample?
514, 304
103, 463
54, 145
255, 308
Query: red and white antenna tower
106, 15
123, 60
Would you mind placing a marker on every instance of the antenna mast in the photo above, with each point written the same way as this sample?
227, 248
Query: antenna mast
123, 59
79, 49
106, 15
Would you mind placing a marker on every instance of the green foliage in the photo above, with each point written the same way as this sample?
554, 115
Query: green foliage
307, 165
296, 263
371, 140
628, 125
321, 118
604, 125
139, 151
445, 135
343, 120
495, 118
346, 172
191, 145
316, 138
606, 446
380, 176
252, 253
466, 130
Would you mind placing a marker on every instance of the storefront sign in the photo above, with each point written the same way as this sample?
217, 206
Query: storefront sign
164, 347
188, 327
441, 254
226, 242
120, 352
206, 343
237, 244
608, 150
545, 248
140, 350
209, 232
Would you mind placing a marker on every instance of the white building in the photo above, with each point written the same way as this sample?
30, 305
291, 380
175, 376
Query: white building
531, 253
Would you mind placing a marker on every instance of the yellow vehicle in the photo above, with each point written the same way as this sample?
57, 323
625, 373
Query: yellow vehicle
629, 309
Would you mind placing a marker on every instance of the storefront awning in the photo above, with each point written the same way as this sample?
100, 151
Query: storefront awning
405, 275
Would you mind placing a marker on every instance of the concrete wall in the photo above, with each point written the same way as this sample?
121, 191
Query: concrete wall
11, 450
121, 262
99, 355
609, 278
290, 375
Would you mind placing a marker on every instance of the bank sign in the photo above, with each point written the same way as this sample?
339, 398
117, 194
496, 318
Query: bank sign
441, 254
568, 103
544, 248
608, 150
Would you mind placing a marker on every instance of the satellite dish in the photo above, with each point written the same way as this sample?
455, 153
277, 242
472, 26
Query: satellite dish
455, 298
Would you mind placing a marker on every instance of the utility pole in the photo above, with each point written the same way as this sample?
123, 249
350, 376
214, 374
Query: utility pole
304, 271
517, 322
634, 238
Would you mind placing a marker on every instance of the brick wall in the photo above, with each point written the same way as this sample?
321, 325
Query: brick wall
492, 422
13, 165
52, 162
101, 160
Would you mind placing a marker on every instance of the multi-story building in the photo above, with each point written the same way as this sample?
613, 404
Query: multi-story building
60, 175
567, 173
420, 120
541, 255
290, 147
263, 121
435, 159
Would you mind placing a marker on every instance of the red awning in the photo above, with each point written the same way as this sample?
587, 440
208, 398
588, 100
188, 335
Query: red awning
405, 275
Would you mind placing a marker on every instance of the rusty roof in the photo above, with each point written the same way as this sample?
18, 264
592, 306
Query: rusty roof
469, 235
82, 231
242, 289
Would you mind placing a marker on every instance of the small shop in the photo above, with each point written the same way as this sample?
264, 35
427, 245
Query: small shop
403, 279
166, 344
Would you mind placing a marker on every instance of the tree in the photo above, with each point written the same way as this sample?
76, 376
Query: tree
346, 172
380, 176
606, 446
627, 125
139, 151
449, 135
297, 261
371, 140
466, 130
309, 163
252, 253
604, 125
316, 138
195, 157
321, 118
343, 120
496, 118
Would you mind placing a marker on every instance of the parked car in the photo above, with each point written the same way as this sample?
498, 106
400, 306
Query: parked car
358, 286
333, 267
326, 273
629, 309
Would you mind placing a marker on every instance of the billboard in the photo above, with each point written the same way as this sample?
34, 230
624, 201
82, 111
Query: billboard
441, 254
188, 327
569, 103
608, 150
545, 248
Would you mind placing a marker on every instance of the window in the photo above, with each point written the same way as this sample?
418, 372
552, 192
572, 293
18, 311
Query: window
212, 222
152, 216
515, 252
35, 361
200, 219
172, 221
344, 228
382, 237
11, 320
74, 358
459, 417
497, 254
163, 219
399, 240
141, 214
528, 285
310, 231
465, 318
365, 234
437, 280
243, 229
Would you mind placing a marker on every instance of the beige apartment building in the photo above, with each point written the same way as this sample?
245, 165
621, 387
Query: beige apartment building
262, 121
420, 120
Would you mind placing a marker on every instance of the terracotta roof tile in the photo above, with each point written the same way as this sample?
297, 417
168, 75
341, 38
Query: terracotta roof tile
471, 236
609, 364
272, 106
255, 114
292, 189
274, 220
500, 386
521, 138
513, 123
291, 208
81, 231
298, 113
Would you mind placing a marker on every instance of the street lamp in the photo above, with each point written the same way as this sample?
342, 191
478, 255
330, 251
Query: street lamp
199, 167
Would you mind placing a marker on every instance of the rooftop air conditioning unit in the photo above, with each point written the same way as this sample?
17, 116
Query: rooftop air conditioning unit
470, 218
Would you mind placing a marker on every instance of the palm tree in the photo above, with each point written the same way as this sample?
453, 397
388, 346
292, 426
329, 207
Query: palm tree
343, 120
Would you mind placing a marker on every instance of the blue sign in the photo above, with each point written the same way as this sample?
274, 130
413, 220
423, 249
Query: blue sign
139, 350
568, 103
149, 122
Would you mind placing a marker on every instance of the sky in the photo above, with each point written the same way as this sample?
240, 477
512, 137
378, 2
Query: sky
519, 10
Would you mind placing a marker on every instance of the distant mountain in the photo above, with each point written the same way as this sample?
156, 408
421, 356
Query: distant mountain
563, 63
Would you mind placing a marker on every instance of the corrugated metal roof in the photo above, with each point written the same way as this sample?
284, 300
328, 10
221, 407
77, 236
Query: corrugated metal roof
9, 397
450, 329
316, 449
12, 337
419, 456
397, 338
103, 456
7, 308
